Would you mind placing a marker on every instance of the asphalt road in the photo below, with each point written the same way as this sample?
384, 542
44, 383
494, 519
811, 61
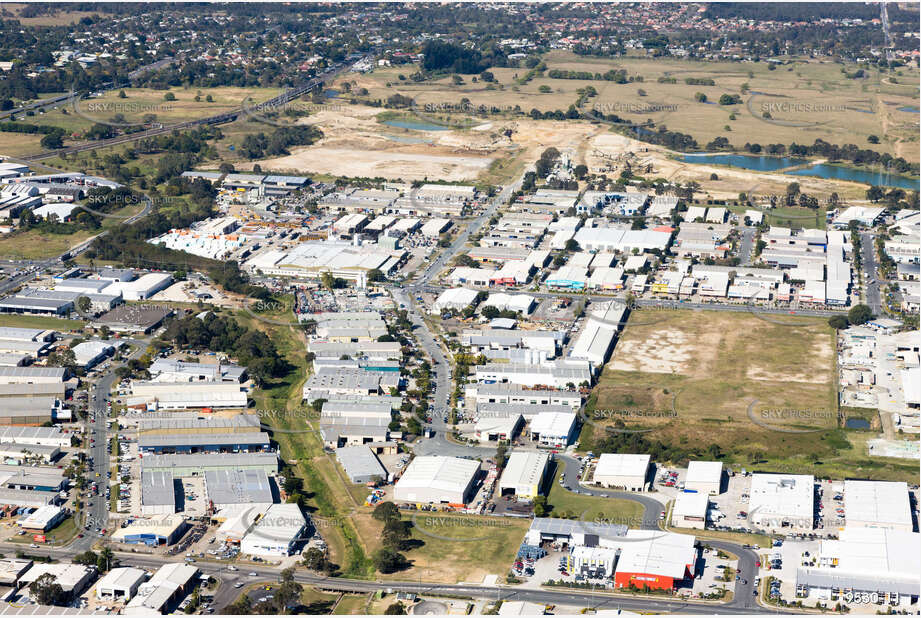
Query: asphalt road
746, 243
870, 268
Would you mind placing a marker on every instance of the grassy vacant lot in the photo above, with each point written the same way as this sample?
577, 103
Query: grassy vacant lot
835, 108
144, 102
462, 548
38, 321
592, 508
690, 377
761, 388
789, 216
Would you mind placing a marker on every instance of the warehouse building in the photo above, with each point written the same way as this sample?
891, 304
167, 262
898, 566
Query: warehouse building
483, 394
372, 350
39, 436
454, 299
43, 519
705, 477
884, 564
360, 464
72, 578
133, 318
595, 342
200, 463
277, 533
553, 429
26, 498
558, 374
623, 471
337, 382
12, 569
33, 411
90, 353
158, 493
690, 510
177, 371
526, 410
141, 288
877, 504
156, 395
120, 584
593, 561
252, 442
158, 530
165, 589
237, 523
33, 478
782, 501
523, 475
32, 375
437, 479
353, 432
178, 423
28, 452
656, 560
230, 491
497, 425
574, 532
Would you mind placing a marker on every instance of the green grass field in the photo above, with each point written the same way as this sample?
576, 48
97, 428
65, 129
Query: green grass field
459, 548
37, 321
566, 504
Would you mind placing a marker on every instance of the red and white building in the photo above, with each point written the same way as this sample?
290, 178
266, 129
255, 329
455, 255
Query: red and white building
655, 559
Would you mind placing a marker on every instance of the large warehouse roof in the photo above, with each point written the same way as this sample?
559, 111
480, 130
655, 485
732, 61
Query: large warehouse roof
656, 553
622, 464
523, 469
439, 472
157, 489
238, 487
259, 439
877, 502
209, 460
555, 424
360, 463
704, 472
783, 495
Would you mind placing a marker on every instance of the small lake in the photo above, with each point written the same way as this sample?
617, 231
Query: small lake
857, 423
747, 162
822, 170
880, 179
415, 125
909, 109
331, 93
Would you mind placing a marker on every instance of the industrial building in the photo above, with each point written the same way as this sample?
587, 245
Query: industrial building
32, 375
251, 442
230, 491
26, 498
623, 471
38, 436
28, 452
690, 510
497, 425
158, 493
595, 342
133, 318
90, 353
574, 532
454, 299
157, 530
523, 475
177, 371
277, 533
705, 477
437, 479
120, 584
165, 396
342, 259
72, 578
877, 504
876, 561
199, 464
43, 519
164, 590
656, 560
782, 501
360, 464
553, 429
483, 394
566, 373
176, 423
33, 478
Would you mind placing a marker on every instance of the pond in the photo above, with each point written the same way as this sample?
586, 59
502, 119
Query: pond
857, 423
416, 125
747, 162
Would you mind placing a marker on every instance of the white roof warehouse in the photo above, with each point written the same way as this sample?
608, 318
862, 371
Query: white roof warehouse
437, 479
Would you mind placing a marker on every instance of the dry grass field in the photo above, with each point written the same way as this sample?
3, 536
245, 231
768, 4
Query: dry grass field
745, 383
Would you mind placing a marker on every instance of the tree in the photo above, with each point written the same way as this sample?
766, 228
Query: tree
122, 95
288, 592
47, 591
859, 314
386, 511
87, 558
106, 560
243, 606
315, 560
395, 609
394, 533
389, 561
84, 304
540, 506
875, 194
838, 322
169, 96
375, 275
328, 281
572, 245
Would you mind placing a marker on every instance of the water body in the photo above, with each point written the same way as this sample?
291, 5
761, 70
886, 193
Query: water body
880, 179
747, 162
415, 125
909, 109
822, 170
857, 423
331, 93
